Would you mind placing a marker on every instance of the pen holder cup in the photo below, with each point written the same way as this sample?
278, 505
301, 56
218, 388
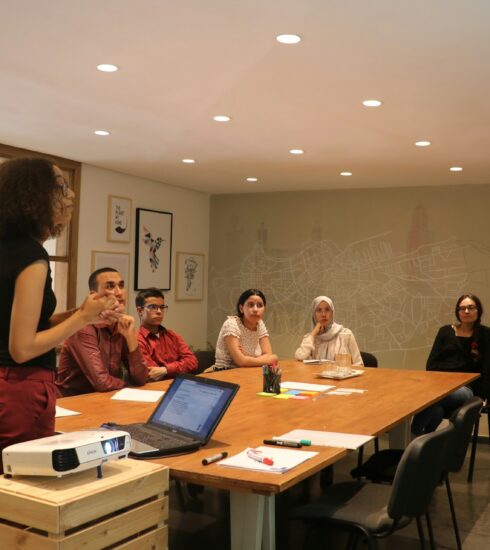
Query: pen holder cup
271, 382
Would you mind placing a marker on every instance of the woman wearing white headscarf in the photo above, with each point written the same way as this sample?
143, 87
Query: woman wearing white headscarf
325, 340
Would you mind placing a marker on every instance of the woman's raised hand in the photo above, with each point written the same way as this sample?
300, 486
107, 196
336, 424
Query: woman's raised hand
96, 308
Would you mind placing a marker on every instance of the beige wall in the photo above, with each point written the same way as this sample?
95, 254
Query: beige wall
190, 234
393, 260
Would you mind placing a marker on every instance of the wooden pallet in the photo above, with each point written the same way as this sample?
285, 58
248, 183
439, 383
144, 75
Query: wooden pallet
126, 509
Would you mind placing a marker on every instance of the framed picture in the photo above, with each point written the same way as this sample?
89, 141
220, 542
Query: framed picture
118, 219
190, 276
116, 260
153, 249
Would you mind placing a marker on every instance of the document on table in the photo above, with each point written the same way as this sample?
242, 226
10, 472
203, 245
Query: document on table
60, 411
284, 460
302, 386
328, 439
146, 396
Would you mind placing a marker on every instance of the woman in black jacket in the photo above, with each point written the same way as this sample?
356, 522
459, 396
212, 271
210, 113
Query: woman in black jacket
462, 347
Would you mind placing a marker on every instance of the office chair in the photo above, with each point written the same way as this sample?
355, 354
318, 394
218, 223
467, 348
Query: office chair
205, 359
369, 359
382, 466
369, 510
474, 441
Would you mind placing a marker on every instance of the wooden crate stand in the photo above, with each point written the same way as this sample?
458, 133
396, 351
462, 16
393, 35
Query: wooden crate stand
126, 509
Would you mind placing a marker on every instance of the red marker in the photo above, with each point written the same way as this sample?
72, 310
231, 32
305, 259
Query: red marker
259, 457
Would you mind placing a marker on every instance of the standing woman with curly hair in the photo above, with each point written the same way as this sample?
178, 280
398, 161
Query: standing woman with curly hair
461, 347
35, 204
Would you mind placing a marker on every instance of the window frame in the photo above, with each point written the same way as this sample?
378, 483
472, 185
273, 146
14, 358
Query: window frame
75, 170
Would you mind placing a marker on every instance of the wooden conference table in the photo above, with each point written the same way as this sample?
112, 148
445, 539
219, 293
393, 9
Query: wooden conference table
392, 397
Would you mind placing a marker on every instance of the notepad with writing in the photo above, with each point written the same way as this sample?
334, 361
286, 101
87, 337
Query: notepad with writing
284, 460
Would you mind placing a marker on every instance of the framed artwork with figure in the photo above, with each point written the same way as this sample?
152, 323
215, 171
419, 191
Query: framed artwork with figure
118, 219
153, 260
190, 276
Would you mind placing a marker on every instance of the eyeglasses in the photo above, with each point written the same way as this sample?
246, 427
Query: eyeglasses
155, 307
466, 308
63, 185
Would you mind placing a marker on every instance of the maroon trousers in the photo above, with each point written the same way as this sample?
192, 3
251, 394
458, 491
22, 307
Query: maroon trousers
27, 405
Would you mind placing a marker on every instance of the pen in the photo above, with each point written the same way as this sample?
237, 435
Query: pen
305, 442
214, 458
283, 443
259, 457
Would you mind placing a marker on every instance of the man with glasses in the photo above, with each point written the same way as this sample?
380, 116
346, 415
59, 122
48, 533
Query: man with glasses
104, 356
165, 352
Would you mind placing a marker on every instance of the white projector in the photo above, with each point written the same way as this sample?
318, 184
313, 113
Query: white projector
66, 453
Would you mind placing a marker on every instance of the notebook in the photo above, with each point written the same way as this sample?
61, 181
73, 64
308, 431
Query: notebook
183, 420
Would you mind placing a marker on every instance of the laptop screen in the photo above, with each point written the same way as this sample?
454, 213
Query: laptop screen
194, 406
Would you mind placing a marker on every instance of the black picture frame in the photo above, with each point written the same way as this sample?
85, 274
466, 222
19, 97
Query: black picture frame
153, 249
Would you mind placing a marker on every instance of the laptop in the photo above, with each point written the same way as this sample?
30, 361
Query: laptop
184, 419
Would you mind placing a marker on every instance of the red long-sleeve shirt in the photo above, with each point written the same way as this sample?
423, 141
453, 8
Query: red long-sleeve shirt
166, 349
91, 360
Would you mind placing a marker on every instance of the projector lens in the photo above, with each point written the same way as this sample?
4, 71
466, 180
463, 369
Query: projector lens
111, 446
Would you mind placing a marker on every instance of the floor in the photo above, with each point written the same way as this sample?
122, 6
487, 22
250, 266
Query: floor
201, 519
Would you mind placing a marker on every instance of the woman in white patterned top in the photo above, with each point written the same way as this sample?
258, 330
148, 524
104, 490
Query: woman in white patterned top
243, 340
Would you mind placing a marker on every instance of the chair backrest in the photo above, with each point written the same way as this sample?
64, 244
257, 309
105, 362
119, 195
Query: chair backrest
369, 359
204, 359
463, 420
418, 474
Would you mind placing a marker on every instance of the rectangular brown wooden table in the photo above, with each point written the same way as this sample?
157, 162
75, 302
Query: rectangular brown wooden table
392, 397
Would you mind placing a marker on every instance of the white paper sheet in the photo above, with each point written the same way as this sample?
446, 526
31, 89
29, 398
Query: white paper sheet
145, 396
328, 439
60, 411
284, 460
302, 386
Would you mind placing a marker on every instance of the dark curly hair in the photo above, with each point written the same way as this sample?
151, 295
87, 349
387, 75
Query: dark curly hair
28, 194
244, 296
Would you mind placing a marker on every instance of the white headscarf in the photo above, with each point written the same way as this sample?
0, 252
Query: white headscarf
332, 329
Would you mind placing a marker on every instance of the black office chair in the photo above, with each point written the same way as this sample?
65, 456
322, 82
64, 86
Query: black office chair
474, 441
381, 467
205, 359
369, 359
369, 510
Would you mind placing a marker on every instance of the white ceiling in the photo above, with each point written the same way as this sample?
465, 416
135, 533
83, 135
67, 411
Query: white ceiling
184, 61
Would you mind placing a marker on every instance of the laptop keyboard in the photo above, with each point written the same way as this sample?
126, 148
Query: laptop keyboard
149, 437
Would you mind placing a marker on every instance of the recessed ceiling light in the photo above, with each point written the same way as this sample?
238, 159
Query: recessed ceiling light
222, 118
346, 173
188, 161
107, 68
288, 38
296, 151
252, 179
372, 103
456, 169
102, 132
423, 143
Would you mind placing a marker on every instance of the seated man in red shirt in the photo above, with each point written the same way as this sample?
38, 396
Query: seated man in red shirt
165, 352
105, 356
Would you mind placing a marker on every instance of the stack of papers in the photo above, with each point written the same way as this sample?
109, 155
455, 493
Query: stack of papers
328, 439
303, 386
284, 460
145, 396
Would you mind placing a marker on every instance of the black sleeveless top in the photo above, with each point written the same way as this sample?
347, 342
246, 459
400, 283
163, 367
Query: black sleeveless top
15, 255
